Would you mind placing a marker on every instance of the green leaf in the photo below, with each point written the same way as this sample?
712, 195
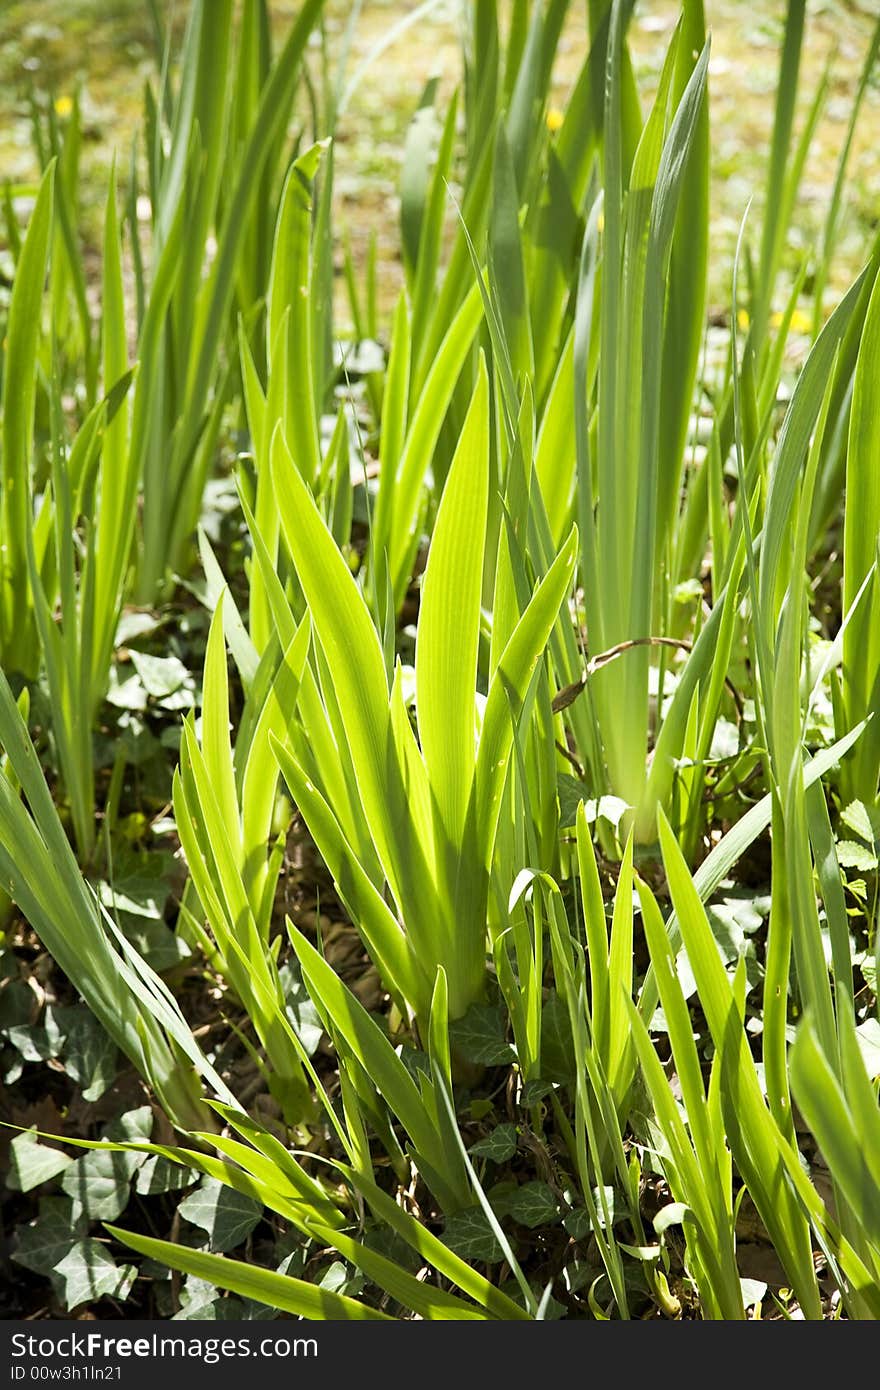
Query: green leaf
449, 620
532, 1204
161, 676
88, 1273
868, 1036
479, 1036
280, 1291
673, 1214
99, 1181
470, 1236
498, 1146
533, 1092
90, 1055
44, 1243
19, 392
857, 817
33, 1163
557, 1046
159, 1174
227, 1216
396, 533
852, 855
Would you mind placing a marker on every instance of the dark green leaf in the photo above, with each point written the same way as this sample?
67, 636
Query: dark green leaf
99, 1181
499, 1146
32, 1162
470, 1236
531, 1204
42, 1245
533, 1092
159, 1174
89, 1054
557, 1048
227, 1216
480, 1036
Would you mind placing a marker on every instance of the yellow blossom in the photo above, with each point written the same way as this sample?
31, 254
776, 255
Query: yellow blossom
800, 322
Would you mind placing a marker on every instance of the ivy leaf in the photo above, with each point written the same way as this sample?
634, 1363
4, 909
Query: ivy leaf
160, 947
217, 1310
533, 1092
227, 1216
416, 1062
498, 1146
132, 625
572, 792
17, 1005
300, 1009
99, 1181
137, 901
557, 1048
389, 1244
89, 1054
87, 1272
470, 1236
753, 1291
33, 1162
161, 676
159, 1174
45, 1242
126, 694
531, 1204
38, 1042
480, 1036
577, 1223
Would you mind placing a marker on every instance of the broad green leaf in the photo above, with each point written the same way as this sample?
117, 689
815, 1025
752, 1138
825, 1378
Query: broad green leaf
279, 1291
470, 1236
846, 1125
449, 620
507, 692
87, 1273
45, 1242
216, 745
32, 1163
499, 1144
226, 1215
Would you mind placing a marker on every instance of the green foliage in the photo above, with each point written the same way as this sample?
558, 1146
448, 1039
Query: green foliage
528, 649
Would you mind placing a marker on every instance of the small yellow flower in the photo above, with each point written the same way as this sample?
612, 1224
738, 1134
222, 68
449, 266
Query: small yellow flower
742, 318
555, 117
63, 106
800, 322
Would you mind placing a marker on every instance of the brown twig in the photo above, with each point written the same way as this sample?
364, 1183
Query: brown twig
570, 693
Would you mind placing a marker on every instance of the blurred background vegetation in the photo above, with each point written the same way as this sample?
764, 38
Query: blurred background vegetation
106, 49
